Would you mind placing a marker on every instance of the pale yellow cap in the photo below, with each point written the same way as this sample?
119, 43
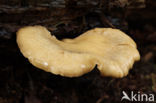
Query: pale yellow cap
111, 50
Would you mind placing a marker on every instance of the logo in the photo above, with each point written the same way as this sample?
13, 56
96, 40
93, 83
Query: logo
138, 97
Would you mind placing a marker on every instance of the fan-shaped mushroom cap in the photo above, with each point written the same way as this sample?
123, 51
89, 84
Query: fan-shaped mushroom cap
110, 49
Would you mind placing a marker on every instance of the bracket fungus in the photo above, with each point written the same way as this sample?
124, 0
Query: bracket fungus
111, 50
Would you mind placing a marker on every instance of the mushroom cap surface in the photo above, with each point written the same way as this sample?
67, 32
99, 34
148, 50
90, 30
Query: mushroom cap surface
111, 50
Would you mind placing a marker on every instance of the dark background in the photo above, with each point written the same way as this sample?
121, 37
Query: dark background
20, 82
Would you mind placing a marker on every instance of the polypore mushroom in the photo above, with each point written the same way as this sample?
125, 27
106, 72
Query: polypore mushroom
111, 50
